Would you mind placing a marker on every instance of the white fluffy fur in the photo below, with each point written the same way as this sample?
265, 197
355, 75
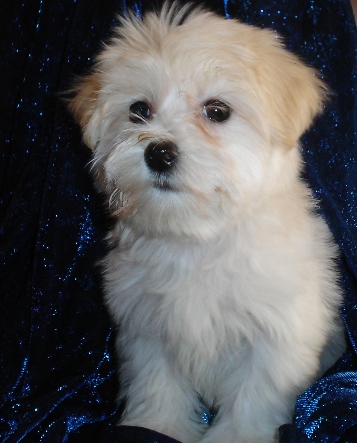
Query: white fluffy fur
224, 286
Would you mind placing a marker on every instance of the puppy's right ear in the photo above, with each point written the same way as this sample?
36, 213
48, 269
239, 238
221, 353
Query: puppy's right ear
85, 108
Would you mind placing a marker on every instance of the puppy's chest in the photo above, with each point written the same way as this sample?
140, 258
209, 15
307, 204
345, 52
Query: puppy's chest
189, 302
196, 326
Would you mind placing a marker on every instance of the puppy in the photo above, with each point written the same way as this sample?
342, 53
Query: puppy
220, 275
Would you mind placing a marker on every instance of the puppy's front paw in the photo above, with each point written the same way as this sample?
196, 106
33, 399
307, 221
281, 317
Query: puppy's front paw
228, 433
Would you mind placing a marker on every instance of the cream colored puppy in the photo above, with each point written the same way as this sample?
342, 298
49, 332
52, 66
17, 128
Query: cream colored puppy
220, 275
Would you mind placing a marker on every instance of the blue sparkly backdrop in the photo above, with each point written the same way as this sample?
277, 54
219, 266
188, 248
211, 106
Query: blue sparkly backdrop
57, 364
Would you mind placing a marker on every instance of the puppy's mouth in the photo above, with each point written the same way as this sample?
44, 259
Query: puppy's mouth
164, 187
163, 184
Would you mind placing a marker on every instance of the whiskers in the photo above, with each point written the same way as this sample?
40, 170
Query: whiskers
116, 201
94, 163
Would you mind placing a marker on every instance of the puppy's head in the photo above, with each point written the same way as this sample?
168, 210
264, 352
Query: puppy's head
193, 120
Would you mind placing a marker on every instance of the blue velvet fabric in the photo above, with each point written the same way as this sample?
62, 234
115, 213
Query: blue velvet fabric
58, 379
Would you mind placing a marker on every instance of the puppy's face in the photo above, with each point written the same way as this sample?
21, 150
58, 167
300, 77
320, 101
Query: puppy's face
193, 121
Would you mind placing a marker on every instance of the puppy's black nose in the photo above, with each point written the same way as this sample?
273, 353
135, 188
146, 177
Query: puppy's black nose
161, 156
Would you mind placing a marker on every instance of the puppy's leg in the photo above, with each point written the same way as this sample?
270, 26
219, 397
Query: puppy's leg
260, 395
158, 397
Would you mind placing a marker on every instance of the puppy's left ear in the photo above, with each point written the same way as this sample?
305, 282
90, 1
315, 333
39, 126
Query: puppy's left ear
293, 95
84, 107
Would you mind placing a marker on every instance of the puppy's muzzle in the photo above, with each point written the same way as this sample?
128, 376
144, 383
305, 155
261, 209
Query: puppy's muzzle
161, 156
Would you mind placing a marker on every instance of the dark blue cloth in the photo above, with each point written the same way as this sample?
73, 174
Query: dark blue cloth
58, 378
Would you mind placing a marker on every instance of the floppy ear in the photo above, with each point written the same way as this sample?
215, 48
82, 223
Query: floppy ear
293, 93
84, 107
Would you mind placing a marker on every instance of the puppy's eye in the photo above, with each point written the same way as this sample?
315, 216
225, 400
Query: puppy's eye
140, 112
216, 111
